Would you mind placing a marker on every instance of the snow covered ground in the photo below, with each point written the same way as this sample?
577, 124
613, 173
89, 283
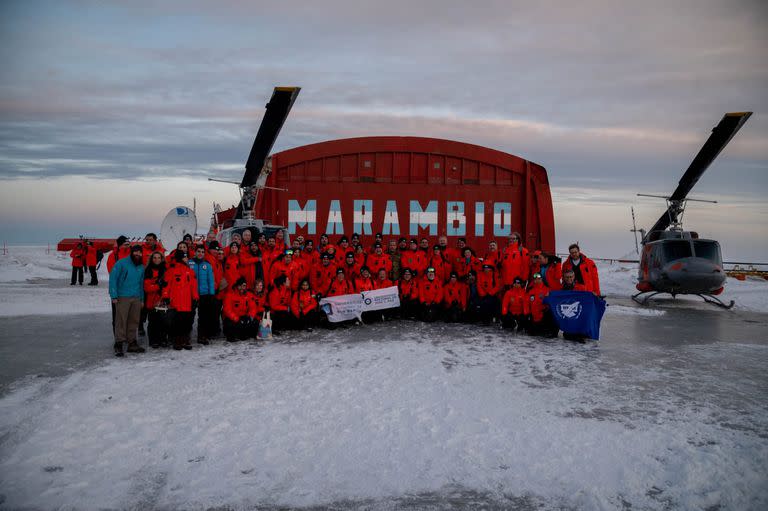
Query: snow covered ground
26, 287
396, 415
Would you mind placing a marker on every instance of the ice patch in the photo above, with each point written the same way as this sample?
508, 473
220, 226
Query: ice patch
623, 310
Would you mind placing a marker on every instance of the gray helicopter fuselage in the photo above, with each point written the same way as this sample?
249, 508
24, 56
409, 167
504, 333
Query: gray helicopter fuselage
679, 263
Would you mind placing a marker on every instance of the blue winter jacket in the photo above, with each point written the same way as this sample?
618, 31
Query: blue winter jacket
206, 285
126, 280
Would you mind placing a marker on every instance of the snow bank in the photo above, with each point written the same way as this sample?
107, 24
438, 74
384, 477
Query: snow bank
375, 414
33, 281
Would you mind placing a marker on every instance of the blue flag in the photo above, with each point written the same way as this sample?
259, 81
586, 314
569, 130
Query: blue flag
577, 312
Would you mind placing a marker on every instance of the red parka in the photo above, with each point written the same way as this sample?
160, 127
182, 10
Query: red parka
303, 302
378, 262
487, 283
321, 276
515, 262
409, 289
363, 284
280, 299
237, 305
181, 289
340, 287
152, 290
78, 257
516, 302
455, 292
536, 301
588, 273
91, 257
430, 291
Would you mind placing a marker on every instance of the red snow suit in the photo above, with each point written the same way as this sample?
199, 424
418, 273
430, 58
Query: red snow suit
181, 289
515, 302
588, 273
430, 291
237, 305
515, 262
536, 301
455, 292
302, 302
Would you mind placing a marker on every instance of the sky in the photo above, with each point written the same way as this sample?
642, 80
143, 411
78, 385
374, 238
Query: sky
113, 113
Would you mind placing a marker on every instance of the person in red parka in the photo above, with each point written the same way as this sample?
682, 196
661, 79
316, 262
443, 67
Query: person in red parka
515, 261
78, 261
414, 259
322, 275
454, 298
304, 306
515, 306
488, 287
382, 280
154, 281
340, 285
541, 321
379, 260
549, 267
91, 261
493, 256
121, 249
437, 261
260, 297
280, 304
351, 268
467, 263
251, 266
239, 312
584, 269
232, 265
182, 296
430, 296
569, 282
408, 289
364, 282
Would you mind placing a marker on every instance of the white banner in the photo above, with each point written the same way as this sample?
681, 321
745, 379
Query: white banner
346, 307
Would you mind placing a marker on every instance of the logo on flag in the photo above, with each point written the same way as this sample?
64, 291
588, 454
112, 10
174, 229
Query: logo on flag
570, 310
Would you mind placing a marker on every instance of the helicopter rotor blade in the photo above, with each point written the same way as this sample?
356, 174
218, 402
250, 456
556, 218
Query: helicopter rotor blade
276, 112
721, 135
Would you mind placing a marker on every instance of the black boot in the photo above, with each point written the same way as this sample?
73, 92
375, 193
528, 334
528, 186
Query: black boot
118, 349
133, 347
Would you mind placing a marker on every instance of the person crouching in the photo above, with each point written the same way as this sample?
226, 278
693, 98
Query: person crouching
304, 306
515, 307
240, 314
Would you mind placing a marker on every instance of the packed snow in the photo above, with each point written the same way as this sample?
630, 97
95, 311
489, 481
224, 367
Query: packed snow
371, 415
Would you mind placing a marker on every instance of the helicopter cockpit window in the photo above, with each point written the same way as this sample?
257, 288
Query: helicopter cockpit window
708, 250
676, 249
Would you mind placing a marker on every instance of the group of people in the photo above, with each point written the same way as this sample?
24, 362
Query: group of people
85, 256
230, 288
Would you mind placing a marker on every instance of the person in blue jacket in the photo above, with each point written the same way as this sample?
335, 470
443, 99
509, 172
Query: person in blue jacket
126, 289
207, 322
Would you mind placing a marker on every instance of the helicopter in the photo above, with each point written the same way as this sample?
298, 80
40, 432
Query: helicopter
678, 262
257, 169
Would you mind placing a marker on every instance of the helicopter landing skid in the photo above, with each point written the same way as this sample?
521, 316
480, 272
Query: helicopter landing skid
707, 298
717, 301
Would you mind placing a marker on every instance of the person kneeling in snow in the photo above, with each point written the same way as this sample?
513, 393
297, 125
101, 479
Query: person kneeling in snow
304, 306
515, 306
240, 312
541, 321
